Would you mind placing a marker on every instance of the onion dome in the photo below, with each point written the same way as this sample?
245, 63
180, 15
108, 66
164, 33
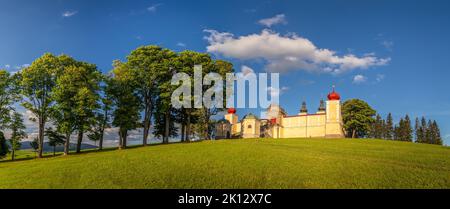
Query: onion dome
231, 111
334, 95
303, 109
322, 105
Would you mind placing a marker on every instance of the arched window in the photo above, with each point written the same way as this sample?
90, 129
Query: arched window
249, 126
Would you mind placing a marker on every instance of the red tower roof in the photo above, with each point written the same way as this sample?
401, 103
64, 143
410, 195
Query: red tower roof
334, 95
231, 111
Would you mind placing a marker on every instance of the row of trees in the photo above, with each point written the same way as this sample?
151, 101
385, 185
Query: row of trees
423, 131
69, 97
360, 120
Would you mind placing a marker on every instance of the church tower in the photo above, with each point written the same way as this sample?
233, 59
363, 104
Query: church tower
231, 116
334, 125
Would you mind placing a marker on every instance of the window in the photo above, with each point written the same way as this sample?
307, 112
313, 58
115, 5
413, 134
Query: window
249, 126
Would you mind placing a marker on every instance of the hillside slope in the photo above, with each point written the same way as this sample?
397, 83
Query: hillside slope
246, 163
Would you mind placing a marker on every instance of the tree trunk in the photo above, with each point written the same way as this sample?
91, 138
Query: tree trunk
183, 127
120, 139
354, 133
79, 140
206, 124
188, 126
147, 123
67, 144
100, 142
147, 115
41, 137
12, 154
167, 128
124, 138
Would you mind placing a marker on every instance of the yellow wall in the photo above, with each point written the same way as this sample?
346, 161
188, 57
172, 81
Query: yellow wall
250, 128
322, 124
303, 126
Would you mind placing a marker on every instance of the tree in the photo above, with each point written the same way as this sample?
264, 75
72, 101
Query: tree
35, 145
126, 101
435, 133
54, 138
376, 130
186, 62
102, 119
160, 124
407, 132
389, 127
76, 95
3, 146
397, 131
165, 90
17, 133
221, 68
357, 116
418, 131
8, 95
147, 62
429, 133
425, 132
37, 82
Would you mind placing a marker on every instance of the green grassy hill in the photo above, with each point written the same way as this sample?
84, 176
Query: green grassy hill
246, 163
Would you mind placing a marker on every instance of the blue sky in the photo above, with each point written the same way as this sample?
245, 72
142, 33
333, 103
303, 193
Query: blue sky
400, 49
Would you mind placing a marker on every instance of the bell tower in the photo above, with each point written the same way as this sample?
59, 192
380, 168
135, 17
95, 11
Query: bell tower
231, 116
334, 127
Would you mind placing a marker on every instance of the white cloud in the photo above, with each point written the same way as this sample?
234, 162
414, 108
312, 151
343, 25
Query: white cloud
246, 70
19, 67
277, 19
181, 44
153, 7
285, 53
276, 92
7, 66
358, 79
380, 77
69, 13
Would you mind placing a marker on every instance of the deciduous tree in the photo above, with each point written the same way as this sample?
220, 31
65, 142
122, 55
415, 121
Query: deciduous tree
17, 133
357, 116
37, 83
54, 138
126, 101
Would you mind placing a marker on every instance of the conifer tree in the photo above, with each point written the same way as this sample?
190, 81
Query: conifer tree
407, 130
428, 133
435, 133
396, 135
389, 127
417, 134
18, 133
424, 130
376, 130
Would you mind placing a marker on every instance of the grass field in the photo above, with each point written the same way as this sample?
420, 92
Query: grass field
245, 163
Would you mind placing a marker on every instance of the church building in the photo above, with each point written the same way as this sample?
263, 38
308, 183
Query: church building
325, 123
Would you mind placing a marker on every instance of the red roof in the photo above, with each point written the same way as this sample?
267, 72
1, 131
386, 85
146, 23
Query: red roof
334, 95
231, 111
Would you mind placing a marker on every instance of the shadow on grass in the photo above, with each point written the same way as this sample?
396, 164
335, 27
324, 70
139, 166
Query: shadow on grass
87, 151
